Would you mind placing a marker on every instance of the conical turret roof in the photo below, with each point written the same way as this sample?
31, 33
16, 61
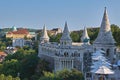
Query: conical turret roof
66, 33
105, 34
44, 33
84, 35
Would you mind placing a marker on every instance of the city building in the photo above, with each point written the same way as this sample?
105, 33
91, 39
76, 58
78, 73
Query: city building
21, 42
18, 42
69, 55
55, 31
21, 33
105, 40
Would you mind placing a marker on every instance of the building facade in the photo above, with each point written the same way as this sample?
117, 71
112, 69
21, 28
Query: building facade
21, 42
18, 42
68, 54
21, 33
105, 40
65, 54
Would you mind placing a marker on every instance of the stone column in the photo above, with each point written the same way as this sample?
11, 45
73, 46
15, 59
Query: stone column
63, 64
60, 65
72, 63
66, 64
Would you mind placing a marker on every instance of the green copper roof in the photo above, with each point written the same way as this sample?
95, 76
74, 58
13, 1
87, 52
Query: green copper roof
14, 28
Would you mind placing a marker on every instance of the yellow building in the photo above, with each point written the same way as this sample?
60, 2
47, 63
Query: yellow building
21, 33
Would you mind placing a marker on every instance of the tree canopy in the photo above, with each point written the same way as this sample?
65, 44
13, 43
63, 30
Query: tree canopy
63, 75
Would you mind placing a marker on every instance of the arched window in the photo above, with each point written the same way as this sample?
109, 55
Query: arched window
66, 54
79, 54
115, 51
108, 52
102, 49
75, 53
94, 49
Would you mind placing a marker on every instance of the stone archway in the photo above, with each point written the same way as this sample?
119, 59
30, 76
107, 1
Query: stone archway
108, 52
115, 51
66, 54
94, 49
102, 49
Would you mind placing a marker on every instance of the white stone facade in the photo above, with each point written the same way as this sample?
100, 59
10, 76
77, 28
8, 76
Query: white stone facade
18, 42
105, 40
63, 55
68, 54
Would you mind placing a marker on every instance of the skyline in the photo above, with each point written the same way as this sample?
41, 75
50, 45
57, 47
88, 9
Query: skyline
53, 13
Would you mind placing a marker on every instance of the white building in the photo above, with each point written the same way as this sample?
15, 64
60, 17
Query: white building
105, 40
68, 54
18, 42
21, 42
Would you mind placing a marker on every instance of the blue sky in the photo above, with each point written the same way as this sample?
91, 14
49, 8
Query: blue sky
54, 13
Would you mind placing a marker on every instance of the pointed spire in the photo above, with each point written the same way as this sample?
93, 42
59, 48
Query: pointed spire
66, 39
105, 34
66, 34
85, 37
105, 25
44, 37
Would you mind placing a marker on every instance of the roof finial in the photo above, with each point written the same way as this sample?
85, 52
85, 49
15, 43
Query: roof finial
105, 7
66, 23
105, 11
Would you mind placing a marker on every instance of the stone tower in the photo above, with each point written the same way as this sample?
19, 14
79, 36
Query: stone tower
85, 38
44, 37
105, 40
66, 39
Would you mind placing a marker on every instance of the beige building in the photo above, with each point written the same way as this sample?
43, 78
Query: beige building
21, 33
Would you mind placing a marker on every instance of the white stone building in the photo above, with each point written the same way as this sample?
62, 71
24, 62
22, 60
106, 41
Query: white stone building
105, 40
68, 54
18, 42
21, 42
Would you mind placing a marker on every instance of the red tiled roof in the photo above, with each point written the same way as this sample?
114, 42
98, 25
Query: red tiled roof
3, 54
20, 31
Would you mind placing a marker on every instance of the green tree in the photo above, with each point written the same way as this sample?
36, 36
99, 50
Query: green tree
70, 75
19, 55
9, 77
2, 77
49, 76
75, 36
17, 78
116, 32
11, 67
42, 66
29, 64
55, 38
63, 75
35, 46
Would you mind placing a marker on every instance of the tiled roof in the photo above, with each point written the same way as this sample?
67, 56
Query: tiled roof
3, 54
20, 31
